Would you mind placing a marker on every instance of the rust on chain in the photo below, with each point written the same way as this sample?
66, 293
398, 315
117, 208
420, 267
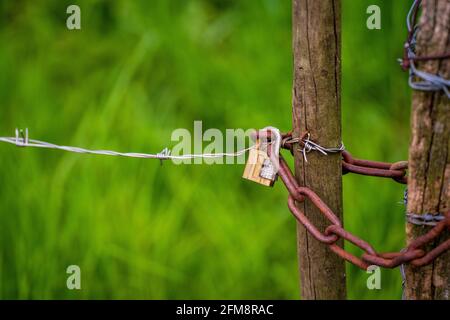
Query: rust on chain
395, 171
347, 256
399, 259
413, 254
300, 216
289, 180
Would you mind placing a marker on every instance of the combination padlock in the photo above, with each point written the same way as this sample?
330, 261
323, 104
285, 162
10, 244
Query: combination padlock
259, 167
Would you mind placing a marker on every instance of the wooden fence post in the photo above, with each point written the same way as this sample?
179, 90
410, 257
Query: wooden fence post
316, 109
429, 153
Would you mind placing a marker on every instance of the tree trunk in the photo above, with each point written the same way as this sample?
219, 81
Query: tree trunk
316, 109
429, 157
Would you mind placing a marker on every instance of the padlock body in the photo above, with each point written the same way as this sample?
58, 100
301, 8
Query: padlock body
259, 167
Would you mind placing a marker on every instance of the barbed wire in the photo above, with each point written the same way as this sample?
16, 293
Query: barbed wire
428, 81
425, 219
309, 145
21, 139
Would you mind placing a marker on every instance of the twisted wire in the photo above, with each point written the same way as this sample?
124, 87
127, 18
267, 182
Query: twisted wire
426, 219
421, 80
21, 139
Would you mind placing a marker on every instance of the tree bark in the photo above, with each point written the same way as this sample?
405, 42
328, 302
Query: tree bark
429, 157
316, 109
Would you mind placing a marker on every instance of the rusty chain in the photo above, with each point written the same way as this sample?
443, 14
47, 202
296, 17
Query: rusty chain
413, 254
395, 171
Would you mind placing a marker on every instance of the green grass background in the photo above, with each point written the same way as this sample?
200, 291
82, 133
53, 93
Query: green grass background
138, 70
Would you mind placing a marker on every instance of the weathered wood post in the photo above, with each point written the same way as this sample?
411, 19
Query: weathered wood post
429, 153
316, 108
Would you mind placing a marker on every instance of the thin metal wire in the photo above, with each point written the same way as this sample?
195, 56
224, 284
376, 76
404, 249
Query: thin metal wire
426, 219
403, 275
309, 145
428, 81
21, 139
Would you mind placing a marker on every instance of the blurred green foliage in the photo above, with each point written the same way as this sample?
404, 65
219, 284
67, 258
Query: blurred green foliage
133, 73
